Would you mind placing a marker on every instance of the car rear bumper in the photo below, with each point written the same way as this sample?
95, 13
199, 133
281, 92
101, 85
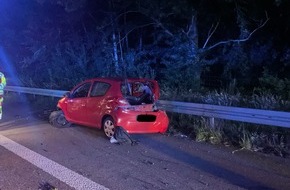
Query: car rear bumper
142, 122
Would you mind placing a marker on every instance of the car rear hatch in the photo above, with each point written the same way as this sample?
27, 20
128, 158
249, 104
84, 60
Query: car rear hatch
142, 93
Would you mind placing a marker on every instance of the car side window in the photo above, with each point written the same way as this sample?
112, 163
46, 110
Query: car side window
82, 91
99, 89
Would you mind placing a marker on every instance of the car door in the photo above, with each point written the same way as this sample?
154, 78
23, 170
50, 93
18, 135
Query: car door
76, 104
97, 103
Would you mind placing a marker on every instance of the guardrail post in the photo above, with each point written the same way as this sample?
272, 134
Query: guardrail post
211, 122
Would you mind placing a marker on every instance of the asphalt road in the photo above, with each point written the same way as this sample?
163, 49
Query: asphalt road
33, 152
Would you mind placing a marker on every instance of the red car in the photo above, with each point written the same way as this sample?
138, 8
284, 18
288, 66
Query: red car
108, 102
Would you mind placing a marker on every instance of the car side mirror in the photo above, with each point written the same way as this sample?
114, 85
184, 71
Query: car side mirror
67, 94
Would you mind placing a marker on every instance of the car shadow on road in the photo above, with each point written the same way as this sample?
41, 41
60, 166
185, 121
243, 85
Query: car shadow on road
201, 164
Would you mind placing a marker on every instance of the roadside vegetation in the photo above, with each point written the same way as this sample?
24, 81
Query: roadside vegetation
261, 138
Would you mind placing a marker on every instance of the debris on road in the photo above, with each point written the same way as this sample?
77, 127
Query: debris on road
121, 136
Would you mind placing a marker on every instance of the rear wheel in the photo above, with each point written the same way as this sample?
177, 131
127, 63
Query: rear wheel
57, 119
108, 127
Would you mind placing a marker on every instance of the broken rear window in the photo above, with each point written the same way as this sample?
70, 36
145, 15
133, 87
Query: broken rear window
138, 92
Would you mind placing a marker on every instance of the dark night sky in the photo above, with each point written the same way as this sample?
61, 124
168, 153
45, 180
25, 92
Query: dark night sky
45, 36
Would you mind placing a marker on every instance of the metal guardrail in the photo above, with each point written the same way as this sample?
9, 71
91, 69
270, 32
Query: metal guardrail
257, 116
36, 91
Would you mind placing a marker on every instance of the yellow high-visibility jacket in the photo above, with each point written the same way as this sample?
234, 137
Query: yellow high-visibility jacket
2, 83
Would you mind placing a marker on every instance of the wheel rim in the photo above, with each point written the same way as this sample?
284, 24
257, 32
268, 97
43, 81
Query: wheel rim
109, 128
61, 120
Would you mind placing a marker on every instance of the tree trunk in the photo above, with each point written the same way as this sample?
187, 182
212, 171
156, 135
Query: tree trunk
115, 55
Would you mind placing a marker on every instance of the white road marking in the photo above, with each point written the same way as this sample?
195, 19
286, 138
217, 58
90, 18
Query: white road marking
60, 172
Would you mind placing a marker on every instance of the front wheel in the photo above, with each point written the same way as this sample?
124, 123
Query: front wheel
57, 119
109, 127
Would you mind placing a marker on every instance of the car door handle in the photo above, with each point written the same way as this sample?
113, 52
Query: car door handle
83, 105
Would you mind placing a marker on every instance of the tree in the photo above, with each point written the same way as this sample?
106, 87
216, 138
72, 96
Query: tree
169, 41
178, 39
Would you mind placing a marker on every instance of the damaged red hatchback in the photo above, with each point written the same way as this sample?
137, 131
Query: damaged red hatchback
108, 102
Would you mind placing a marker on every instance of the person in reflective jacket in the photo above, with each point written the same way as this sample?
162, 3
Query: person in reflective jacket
2, 86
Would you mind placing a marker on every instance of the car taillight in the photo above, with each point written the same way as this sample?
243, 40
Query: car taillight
154, 107
124, 105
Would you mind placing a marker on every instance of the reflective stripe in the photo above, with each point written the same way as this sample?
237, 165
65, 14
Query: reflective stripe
2, 81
